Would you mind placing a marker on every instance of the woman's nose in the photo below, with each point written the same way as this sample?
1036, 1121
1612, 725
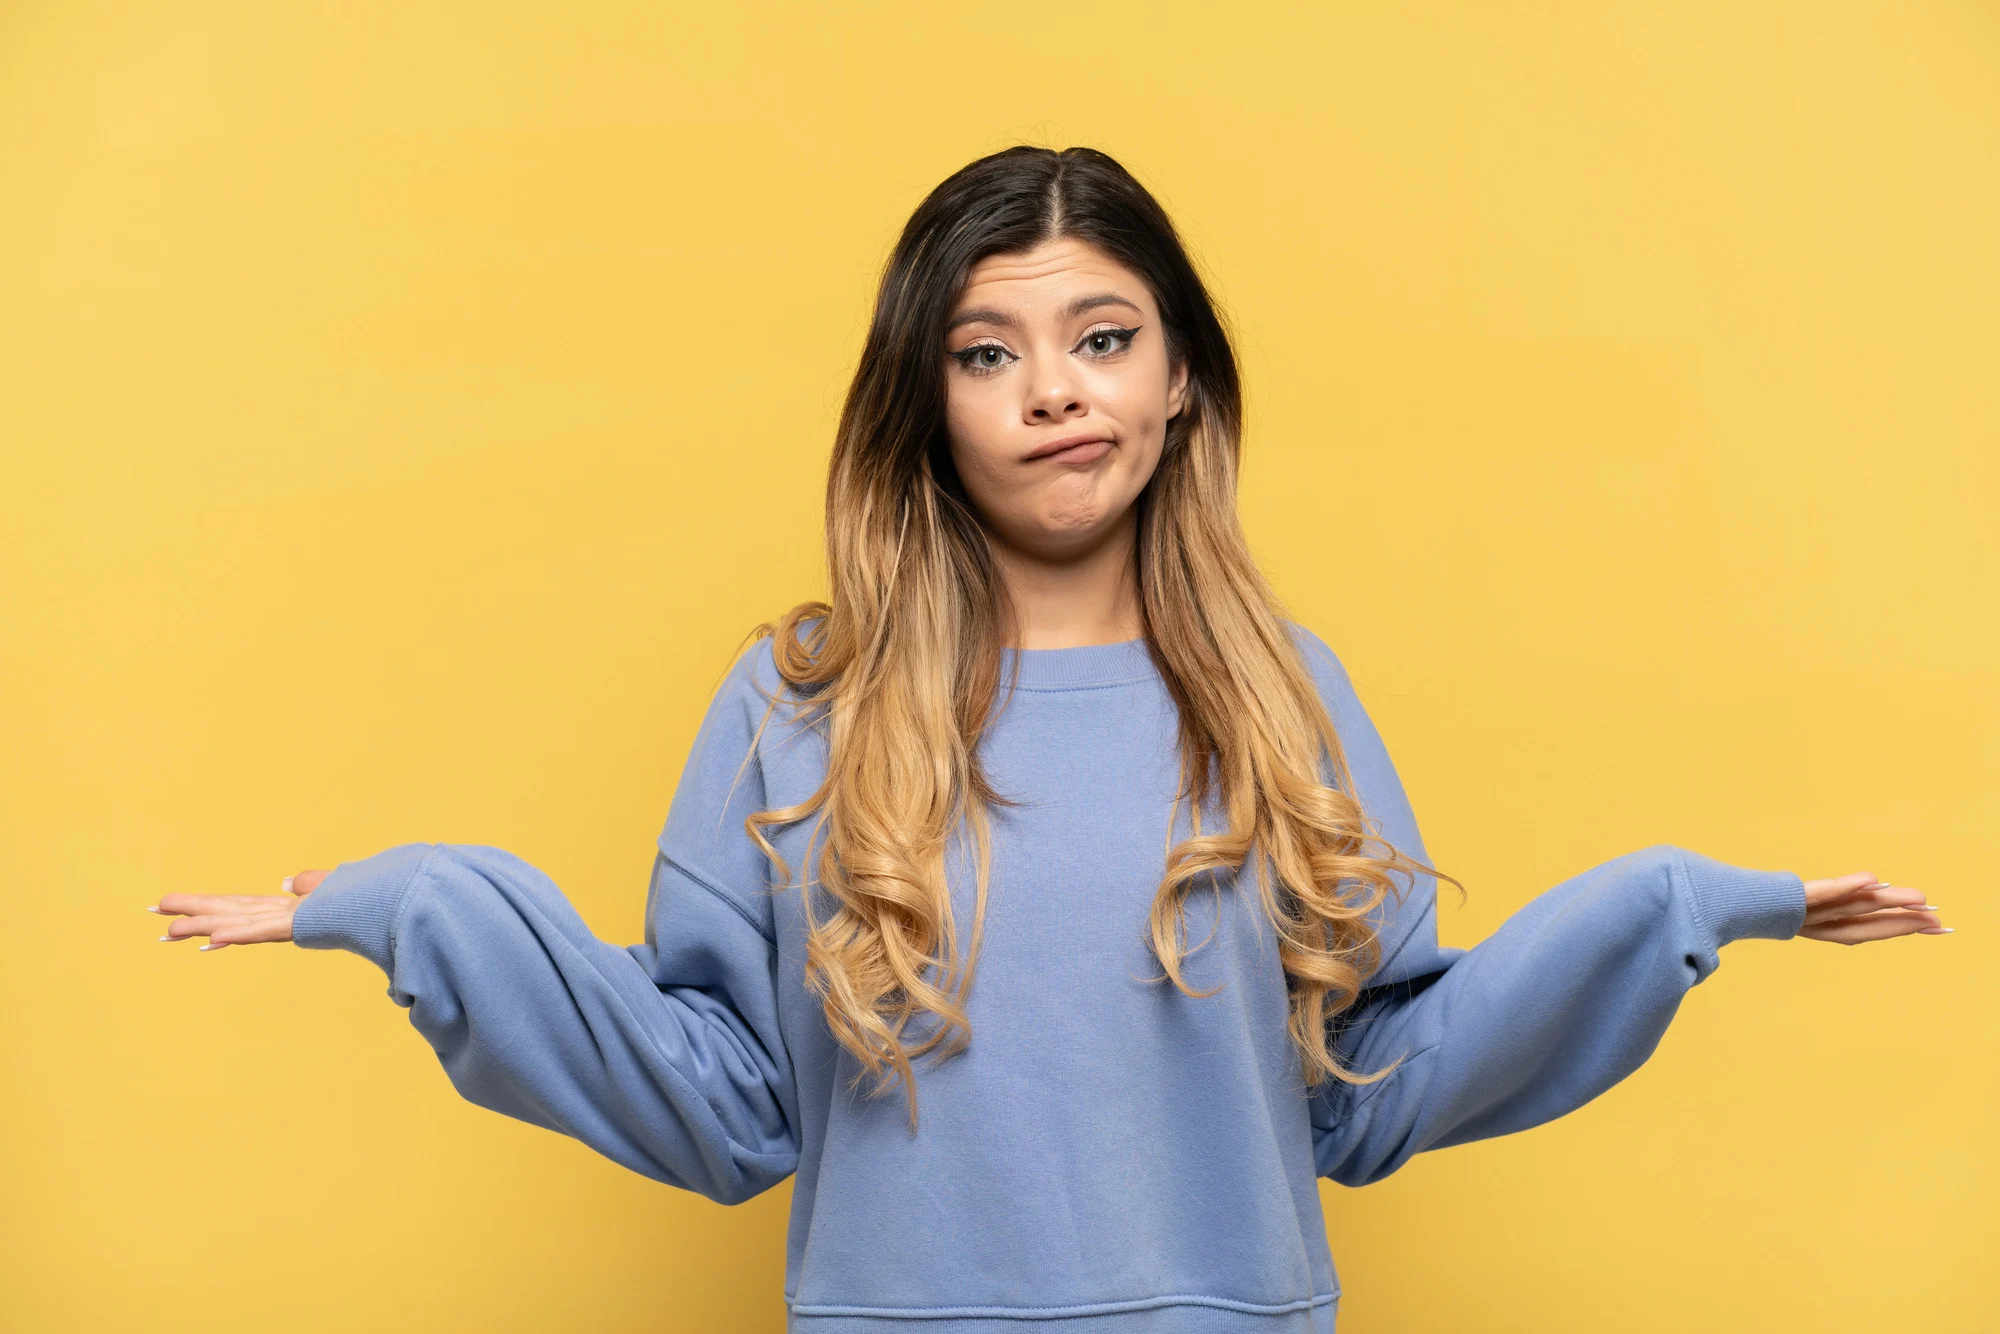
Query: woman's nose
1054, 400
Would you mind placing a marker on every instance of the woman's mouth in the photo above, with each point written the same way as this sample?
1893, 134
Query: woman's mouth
1072, 450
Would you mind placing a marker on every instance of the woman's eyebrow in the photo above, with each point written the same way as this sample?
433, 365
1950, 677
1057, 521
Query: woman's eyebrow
987, 315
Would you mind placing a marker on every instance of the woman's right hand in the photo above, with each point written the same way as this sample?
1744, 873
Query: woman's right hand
237, 919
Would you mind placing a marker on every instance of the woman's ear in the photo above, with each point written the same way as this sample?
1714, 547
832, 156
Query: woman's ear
1177, 390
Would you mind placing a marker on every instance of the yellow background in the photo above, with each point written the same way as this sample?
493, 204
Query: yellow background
407, 409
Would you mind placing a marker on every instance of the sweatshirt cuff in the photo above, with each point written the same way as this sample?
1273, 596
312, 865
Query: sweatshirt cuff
1738, 904
355, 907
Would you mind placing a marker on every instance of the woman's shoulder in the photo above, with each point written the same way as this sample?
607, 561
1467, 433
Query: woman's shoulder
760, 742
758, 661
1329, 673
757, 685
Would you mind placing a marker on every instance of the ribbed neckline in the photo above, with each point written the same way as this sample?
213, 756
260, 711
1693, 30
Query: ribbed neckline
1077, 668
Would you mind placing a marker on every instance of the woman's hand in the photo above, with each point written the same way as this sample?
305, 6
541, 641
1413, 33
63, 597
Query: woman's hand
237, 919
1858, 907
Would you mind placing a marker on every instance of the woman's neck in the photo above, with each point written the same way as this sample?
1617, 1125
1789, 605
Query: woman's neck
1090, 598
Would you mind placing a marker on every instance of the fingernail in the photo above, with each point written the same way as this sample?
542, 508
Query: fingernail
173, 937
1927, 907
214, 946
288, 884
1935, 931
151, 908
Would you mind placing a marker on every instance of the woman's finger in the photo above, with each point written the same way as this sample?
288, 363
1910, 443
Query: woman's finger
192, 904
291, 889
1884, 925
180, 928
253, 931
1867, 901
1822, 892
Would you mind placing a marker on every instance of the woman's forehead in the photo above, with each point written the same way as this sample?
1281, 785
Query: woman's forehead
1049, 274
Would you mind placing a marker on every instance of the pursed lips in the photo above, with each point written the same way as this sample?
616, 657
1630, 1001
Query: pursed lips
1071, 449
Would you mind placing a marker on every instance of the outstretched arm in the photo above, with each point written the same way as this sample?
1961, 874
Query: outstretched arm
1567, 998
666, 1057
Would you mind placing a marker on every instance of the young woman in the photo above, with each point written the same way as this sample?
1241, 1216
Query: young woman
1052, 729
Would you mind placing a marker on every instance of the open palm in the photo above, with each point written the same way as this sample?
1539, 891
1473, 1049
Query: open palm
1855, 908
237, 919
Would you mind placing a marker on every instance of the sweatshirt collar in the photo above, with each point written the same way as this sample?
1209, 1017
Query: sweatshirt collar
1077, 668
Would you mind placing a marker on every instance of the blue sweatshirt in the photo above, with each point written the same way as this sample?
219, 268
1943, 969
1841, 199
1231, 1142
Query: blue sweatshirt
1108, 1152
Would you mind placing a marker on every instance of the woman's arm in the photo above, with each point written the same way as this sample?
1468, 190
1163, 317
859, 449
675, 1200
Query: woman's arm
1568, 997
666, 1057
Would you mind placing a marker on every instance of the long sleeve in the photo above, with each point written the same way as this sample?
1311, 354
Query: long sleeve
666, 1057
1572, 993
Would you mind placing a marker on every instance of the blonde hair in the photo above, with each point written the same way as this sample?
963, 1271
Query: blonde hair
901, 667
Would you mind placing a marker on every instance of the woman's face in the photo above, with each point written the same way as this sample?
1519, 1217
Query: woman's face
1059, 395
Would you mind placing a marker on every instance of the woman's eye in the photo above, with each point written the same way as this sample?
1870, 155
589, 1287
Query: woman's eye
982, 358
1104, 342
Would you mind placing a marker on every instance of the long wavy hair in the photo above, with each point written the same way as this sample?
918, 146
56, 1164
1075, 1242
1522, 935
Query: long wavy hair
900, 670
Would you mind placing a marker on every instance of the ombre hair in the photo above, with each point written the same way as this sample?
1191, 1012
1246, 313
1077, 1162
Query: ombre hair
901, 669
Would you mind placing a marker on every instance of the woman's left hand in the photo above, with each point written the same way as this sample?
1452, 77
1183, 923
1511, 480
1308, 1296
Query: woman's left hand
1858, 907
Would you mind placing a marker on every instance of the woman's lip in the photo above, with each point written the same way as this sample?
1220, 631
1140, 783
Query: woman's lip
1087, 449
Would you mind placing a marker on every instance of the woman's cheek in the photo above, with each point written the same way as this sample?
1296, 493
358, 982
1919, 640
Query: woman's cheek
969, 447
980, 470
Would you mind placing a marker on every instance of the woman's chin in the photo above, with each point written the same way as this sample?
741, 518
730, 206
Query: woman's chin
1057, 543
